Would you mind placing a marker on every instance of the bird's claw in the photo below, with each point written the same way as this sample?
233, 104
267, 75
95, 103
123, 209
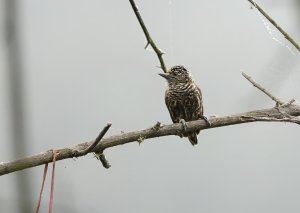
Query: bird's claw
184, 124
156, 126
206, 120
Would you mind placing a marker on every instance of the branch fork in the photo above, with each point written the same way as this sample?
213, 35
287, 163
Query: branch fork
280, 105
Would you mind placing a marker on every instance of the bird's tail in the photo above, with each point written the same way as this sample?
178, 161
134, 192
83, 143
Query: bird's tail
193, 138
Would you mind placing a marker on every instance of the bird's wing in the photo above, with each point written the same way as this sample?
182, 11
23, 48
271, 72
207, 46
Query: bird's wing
200, 101
193, 109
173, 107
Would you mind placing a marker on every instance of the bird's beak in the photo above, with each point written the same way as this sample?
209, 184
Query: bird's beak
164, 75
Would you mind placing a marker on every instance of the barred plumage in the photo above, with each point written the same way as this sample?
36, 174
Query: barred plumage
183, 98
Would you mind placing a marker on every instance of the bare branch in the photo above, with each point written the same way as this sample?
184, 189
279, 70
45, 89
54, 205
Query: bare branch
289, 103
150, 41
101, 157
293, 119
95, 143
278, 102
272, 114
284, 33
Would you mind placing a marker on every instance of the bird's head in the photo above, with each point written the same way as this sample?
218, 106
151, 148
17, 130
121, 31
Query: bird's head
177, 75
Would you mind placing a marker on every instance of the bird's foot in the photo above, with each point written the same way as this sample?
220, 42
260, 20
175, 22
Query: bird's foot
184, 124
156, 126
206, 120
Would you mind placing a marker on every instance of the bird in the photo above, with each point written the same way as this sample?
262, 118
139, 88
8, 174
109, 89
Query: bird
183, 99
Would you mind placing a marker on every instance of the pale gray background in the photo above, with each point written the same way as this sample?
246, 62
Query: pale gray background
84, 65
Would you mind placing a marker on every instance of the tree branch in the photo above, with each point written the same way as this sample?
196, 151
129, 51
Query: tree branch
95, 143
278, 102
150, 41
284, 33
282, 113
285, 113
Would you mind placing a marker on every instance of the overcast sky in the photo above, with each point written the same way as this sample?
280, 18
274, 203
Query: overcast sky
84, 65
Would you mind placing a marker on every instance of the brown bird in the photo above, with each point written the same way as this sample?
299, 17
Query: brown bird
183, 99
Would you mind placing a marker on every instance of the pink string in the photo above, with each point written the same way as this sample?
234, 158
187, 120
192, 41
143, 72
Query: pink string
55, 153
42, 188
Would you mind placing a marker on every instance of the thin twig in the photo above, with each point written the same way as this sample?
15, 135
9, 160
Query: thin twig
95, 143
100, 156
150, 41
278, 102
295, 120
69, 152
289, 103
284, 33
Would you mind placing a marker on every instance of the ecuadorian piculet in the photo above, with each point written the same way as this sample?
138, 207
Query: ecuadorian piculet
183, 99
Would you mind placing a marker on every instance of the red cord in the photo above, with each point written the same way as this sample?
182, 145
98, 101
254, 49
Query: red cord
41, 192
55, 153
